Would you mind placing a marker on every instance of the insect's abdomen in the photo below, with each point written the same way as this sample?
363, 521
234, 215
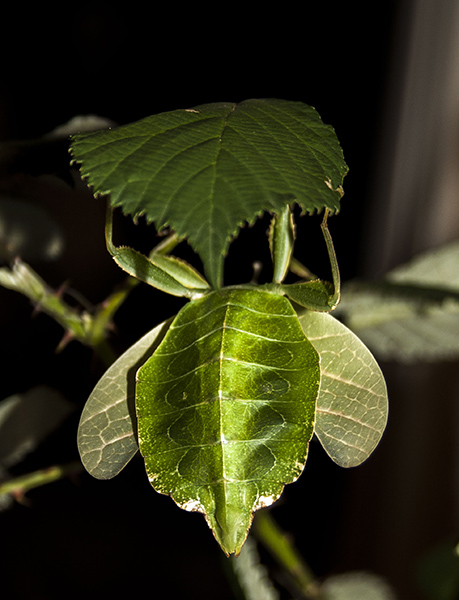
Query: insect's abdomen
226, 407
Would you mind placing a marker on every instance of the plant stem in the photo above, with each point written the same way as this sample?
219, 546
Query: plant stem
88, 329
280, 546
18, 486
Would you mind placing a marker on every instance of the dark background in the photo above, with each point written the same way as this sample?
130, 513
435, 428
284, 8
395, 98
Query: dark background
88, 538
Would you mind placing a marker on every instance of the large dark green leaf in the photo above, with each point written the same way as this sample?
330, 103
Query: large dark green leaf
226, 407
204, 171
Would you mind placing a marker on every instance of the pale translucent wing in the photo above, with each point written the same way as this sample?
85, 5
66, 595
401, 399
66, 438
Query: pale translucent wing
352, 405
107, 437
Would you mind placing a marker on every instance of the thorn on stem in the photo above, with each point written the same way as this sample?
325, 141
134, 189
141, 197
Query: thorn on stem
66, 339
21, 498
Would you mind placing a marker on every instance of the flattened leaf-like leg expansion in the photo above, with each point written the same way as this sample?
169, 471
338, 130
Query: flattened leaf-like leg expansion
226, 407
315, 295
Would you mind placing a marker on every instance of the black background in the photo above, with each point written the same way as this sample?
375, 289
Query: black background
88, 538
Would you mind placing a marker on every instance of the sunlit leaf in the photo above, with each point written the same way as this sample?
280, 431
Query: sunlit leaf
107, 434
226, 407
206, 170
436, 268
352, 404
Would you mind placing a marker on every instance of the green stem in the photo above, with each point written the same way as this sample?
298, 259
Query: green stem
88, 329
18, 486
280, 546
23, 279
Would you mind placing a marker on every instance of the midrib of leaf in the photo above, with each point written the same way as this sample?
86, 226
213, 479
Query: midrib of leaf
220, 400
217, 276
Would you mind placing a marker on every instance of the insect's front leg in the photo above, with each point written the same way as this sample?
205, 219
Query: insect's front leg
334, 298
166, 273
314, 295
281, 240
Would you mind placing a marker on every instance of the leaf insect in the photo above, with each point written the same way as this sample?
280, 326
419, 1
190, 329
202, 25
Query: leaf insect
229, 394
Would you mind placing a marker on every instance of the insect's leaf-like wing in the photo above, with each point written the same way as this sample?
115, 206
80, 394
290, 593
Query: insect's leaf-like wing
206, 170
107, 431
226, 407
352, 405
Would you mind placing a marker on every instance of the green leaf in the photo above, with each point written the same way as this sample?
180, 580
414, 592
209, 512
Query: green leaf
207, 170
356, 585
107, 432
436, 268
413, 314
26, 419
396, 327
352, 404
28, 231
438, 572
226, 407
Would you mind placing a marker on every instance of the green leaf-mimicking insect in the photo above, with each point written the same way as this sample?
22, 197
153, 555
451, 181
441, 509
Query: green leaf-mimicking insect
223, 399
228, 401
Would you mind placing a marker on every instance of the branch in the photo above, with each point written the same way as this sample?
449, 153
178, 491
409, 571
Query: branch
18, 486
280, 546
